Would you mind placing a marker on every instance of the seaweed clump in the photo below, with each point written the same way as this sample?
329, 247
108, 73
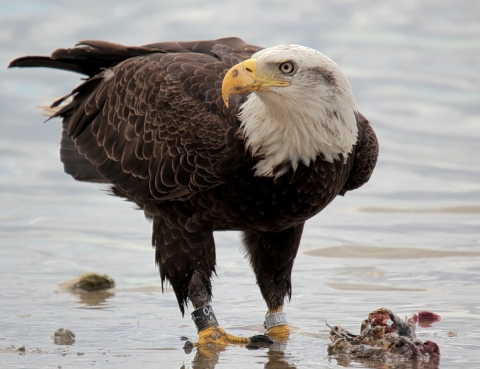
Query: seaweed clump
90, 282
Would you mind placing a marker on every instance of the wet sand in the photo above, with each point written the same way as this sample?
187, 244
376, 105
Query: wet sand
446, 210
368, 252
134, 324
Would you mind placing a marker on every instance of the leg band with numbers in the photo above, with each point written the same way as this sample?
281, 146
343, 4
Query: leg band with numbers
204, 317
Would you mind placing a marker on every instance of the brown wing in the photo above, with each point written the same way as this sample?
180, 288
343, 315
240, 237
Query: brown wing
154, 124
365, 156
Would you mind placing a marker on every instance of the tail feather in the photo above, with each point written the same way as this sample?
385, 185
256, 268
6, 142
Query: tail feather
90, 57
45, 61
87, 57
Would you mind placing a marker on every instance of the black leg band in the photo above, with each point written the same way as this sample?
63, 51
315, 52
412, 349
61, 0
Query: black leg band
204, 317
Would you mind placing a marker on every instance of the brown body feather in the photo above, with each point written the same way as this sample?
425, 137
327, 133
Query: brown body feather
154, 127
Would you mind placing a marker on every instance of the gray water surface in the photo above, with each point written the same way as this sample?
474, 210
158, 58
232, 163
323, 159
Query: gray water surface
409, 240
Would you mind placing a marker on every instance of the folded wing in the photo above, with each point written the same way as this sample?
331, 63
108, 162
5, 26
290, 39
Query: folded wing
149, 120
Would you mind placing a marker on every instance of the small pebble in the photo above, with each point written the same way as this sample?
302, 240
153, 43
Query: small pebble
21, 350
63, 337
188, 347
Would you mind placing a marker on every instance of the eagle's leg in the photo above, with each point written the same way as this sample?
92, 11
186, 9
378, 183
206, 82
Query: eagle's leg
186, 258
272, 255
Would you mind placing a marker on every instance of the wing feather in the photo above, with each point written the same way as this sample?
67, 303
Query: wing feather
154, 126
365, 156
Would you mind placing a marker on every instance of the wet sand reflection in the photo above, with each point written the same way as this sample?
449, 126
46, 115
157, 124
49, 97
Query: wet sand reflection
208, 358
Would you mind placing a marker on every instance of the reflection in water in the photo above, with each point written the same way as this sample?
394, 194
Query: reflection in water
207, 357
277, 358
92, 298
93, 289
434, 363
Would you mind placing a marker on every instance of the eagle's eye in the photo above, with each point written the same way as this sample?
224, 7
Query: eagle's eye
287, 68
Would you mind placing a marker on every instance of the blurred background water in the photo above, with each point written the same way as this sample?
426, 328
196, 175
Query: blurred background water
409, 240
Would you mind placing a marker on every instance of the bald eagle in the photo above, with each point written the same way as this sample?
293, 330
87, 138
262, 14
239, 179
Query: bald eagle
210, 136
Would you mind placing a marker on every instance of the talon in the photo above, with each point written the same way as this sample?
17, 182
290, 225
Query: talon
259, 341
255, 346
261, 338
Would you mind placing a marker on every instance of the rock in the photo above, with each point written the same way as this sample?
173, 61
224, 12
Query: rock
90, 282
63, 337
21, 350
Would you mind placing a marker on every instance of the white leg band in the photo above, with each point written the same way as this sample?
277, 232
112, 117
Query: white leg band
272, 320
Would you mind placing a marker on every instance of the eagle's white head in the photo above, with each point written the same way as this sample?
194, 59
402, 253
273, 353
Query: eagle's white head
300, 106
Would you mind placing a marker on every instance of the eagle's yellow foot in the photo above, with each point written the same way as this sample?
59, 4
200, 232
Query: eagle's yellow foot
216, 338
276, 325
211, 336
279, 332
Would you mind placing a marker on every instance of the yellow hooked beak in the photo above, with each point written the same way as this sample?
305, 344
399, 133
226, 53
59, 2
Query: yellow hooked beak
242, 78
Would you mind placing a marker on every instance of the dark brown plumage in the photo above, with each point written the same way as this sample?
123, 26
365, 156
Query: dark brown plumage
155, 128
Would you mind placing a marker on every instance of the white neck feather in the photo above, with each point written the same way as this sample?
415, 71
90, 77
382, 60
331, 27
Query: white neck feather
280, 131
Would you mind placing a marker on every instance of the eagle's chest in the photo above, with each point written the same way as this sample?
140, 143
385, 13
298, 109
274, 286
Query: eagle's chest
265, 203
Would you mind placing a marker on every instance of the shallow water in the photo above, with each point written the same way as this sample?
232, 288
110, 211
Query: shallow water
409, 240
